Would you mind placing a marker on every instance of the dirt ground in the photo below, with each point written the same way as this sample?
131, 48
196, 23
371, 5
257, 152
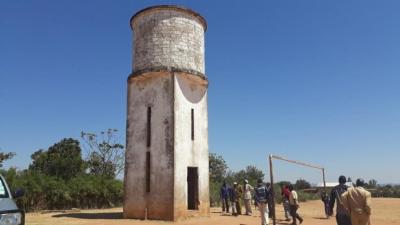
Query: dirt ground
385, 212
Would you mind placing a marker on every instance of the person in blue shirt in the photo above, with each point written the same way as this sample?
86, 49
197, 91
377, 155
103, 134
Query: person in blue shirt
224, 195
262, 199
232, 199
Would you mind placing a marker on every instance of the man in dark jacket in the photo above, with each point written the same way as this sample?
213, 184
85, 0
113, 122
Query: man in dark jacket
232, 199
262, 199
325, 200
224, 195
342, 214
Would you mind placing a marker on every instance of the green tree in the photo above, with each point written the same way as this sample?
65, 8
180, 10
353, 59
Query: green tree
251, 173
105, 154
62, 160
283, 183
302, 184
218, 168
5, 156
372, 183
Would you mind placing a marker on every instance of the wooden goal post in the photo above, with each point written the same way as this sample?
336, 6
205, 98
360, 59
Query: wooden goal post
271, 174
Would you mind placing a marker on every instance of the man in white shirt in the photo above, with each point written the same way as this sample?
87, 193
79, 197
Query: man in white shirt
294, 205
247, 197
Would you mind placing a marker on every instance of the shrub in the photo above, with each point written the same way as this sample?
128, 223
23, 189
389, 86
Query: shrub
47, 192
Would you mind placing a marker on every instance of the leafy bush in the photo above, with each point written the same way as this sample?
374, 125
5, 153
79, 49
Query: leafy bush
56, 179
214, 194
47, 192
305, 196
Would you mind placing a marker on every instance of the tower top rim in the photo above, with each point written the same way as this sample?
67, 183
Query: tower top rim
167, 69
170, 7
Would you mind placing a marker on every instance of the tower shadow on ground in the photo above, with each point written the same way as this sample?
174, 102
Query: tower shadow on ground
103, 216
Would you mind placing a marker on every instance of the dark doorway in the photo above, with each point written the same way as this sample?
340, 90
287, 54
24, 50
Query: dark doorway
193, 188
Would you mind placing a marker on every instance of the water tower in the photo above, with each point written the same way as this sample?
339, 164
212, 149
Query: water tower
166, 168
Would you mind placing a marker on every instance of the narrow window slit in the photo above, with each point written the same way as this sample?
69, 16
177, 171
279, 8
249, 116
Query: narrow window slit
147, 171
148, 126
192, 124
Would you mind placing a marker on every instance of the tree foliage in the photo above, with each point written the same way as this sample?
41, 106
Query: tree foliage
63, 160
302, 184
383, 191
372, 183
5, 156
57, 179
251, 173
49, 192
219, 172
218, 168
105, 154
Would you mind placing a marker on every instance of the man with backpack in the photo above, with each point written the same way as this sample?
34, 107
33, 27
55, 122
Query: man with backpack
262, 199
342, 214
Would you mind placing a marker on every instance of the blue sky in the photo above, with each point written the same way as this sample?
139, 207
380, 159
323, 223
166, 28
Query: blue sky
316, 81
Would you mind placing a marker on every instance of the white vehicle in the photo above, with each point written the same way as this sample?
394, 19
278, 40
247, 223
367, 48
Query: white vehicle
9, 212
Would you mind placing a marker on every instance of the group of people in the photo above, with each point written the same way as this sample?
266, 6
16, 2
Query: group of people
232, 197
353, 204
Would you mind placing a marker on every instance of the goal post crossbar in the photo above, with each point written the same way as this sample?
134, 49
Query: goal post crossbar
294, 162
297, 162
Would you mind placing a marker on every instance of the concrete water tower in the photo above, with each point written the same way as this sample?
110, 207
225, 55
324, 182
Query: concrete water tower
166, 168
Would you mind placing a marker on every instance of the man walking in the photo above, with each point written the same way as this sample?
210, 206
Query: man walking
247, 197
262, 198
325, 199
294, 205
232, 199
342, 214
285, 201
224, 195
358, 201
238, 194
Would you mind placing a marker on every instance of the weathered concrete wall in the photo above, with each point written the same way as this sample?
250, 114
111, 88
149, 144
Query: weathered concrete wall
171, 97
153, 90
190, 93
168, 37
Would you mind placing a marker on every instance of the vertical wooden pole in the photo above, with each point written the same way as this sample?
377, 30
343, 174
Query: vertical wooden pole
271, 175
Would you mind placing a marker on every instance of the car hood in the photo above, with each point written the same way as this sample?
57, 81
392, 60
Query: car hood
7, 204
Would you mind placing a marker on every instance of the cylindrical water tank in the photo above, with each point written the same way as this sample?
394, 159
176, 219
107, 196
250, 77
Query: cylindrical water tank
168, 38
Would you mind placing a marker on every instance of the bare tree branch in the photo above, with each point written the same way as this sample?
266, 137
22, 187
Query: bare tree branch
105, 154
